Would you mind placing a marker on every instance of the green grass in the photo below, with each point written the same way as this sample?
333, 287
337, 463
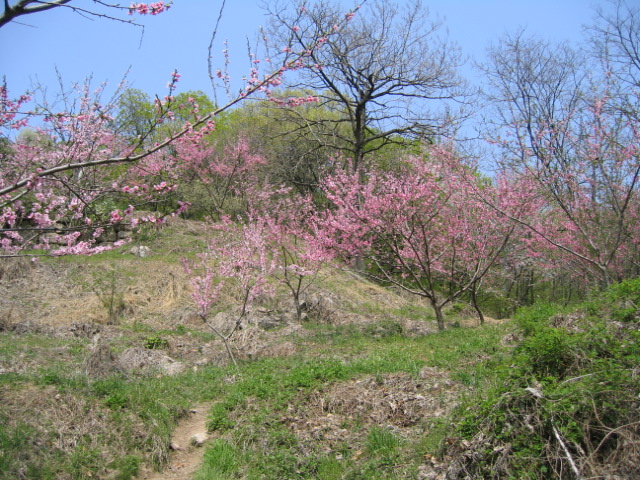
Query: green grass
382, 442
220, 462
246, 412
250, 411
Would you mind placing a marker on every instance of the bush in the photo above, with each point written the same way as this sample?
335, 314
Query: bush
624, 298
548, 353
566, 403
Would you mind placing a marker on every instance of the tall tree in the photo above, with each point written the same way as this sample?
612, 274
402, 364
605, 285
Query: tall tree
564, 134
389, 76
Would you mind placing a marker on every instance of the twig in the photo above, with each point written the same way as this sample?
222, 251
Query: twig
574, 379
574, 467
611, 432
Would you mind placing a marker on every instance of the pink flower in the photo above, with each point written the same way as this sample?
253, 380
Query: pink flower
146, 9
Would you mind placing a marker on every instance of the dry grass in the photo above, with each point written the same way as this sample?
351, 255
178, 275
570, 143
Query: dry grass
61, 422
61, 294
346, 411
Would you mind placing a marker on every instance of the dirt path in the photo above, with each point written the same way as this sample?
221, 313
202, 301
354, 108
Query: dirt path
185, 457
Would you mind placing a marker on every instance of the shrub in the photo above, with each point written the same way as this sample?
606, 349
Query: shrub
565, 404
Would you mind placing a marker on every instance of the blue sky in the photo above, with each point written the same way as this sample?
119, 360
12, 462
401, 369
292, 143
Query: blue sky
35, 45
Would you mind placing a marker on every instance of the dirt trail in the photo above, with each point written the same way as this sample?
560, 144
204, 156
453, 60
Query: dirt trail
185, 457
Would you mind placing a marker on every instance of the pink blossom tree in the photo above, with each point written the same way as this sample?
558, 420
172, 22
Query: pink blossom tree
586, 223
58, 192
79, 166
292, 233
276, 241
572, 135
237, 255
224, 173
108, 11
419, 228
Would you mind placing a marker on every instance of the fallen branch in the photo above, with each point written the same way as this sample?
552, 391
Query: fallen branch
574, 467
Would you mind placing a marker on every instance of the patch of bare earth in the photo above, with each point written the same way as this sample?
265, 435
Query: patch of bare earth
187, 448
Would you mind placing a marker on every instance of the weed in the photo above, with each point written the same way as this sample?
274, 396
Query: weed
83, 461
219, 418
13, 440
330, 468
155, 342
415, 312
127, 467
385, 328
109, 285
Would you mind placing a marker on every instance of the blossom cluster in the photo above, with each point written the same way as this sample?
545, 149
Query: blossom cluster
10, 110
148, 8
294, 101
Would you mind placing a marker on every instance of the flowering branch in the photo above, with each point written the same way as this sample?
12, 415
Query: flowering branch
27, 7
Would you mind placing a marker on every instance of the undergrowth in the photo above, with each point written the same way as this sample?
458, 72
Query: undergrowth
556, 399
565, 404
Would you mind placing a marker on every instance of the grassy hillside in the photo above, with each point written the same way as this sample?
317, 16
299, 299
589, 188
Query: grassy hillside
101, 357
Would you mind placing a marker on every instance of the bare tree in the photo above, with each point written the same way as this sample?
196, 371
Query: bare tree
534, 88
389, 77
616, 40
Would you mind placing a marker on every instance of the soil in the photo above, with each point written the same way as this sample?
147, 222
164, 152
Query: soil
185, 457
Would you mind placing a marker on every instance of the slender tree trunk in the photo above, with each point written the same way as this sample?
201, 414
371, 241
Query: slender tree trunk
296, 300
474, 302
437, 308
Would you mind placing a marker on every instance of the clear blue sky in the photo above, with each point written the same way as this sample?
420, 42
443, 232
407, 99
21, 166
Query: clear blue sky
35, 45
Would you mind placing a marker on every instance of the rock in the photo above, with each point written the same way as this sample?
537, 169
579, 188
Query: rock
269, 323
173, 368
137, 359
199, 438
140, 251
85, 330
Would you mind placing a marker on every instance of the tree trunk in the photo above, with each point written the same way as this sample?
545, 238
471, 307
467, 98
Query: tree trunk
474, 302
437, 308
